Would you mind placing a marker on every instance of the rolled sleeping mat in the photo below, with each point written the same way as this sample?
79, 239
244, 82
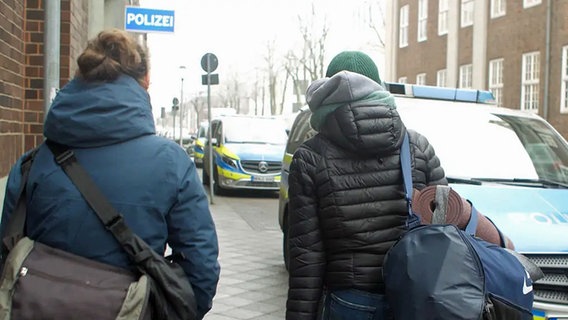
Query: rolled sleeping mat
457, 212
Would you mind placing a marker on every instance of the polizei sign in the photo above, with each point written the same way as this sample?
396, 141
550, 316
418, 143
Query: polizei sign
148, 20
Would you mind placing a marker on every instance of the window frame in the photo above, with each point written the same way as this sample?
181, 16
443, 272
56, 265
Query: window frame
467, 9
564, 81
466, 73
530, 86
531, 3
403, 26
422, 31
421, 79
443, 8
442, 78
498, 8
495, 85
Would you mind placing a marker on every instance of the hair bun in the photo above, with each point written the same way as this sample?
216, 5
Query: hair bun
110, 54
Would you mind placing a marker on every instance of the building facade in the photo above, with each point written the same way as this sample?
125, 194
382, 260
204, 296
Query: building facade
22, 61
518, 49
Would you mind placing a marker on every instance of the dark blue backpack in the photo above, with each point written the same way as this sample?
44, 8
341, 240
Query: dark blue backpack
438, 271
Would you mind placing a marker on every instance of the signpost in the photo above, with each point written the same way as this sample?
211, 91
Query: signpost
148, 20
209, 64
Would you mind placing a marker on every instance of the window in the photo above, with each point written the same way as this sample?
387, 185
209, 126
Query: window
498, 8
441, 78
564, 86
422, 20
496, 80
402, 80
421, 79
442, 17
403, 32
465, 76
531, 3
530, 81
466, 13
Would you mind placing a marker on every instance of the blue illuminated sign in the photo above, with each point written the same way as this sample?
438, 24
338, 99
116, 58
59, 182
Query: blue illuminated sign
138, 19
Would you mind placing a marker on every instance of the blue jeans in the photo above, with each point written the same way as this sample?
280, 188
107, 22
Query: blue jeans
352, 304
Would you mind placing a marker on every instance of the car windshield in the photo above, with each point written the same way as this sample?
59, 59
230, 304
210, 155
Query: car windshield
492, 146
202, 133
255, 130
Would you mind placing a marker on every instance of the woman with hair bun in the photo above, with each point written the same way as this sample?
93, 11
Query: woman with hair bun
104, 115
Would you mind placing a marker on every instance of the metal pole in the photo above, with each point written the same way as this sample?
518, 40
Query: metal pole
181, 115
547, 59
174, 123
182, 68
52, 39
211, 181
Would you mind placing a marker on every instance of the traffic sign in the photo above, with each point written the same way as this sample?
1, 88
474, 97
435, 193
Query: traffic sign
138, 19
209, 62
213, 78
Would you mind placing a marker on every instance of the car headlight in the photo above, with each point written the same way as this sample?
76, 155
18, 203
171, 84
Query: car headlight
231, 162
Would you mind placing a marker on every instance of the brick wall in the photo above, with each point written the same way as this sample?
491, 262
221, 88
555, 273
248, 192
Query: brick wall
21, 69
559, 39
12, 68
33, 83
425, 56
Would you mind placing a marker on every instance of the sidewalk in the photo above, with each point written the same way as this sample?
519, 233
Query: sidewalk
253, 282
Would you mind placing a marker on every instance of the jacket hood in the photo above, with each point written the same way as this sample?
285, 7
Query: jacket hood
355, 113
86, 114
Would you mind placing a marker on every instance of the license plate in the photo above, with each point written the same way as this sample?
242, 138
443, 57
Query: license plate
541, 315
262, 178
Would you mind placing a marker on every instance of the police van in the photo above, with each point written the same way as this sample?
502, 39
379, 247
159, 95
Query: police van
511, 164
246, 153
199, 143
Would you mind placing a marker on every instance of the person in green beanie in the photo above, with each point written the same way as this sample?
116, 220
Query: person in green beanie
347, 201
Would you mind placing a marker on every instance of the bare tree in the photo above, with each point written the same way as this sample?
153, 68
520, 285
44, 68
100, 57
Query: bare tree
376, 18
229, 93
292, 67
313, 53
198, 104
270, 59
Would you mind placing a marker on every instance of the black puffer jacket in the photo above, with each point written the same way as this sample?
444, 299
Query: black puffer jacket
347, 205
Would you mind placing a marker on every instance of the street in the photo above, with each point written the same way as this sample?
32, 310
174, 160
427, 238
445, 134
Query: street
253, 282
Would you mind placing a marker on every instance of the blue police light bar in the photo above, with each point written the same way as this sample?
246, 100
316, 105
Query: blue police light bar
441, 93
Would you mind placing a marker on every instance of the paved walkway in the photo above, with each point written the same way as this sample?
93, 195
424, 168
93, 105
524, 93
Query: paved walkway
254, 282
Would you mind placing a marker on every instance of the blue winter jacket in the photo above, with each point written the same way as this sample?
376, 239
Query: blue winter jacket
149, 179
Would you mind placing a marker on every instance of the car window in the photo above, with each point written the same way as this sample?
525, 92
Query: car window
255, 130
300, 131
202, 133
488, 145
214, 129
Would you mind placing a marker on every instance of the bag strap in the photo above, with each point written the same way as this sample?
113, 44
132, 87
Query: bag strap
440, 212
15, 228
110, 217
412, 220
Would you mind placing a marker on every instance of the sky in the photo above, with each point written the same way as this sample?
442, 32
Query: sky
237, 31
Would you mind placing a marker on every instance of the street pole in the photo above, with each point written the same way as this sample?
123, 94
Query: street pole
174, 124
211, 180
52, 44
181, 110
181, 115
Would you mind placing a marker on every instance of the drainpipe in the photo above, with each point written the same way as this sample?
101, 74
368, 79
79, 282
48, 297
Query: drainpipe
52, 34
547, 59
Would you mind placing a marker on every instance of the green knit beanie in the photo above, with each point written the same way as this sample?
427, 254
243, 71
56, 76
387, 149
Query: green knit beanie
354, 61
